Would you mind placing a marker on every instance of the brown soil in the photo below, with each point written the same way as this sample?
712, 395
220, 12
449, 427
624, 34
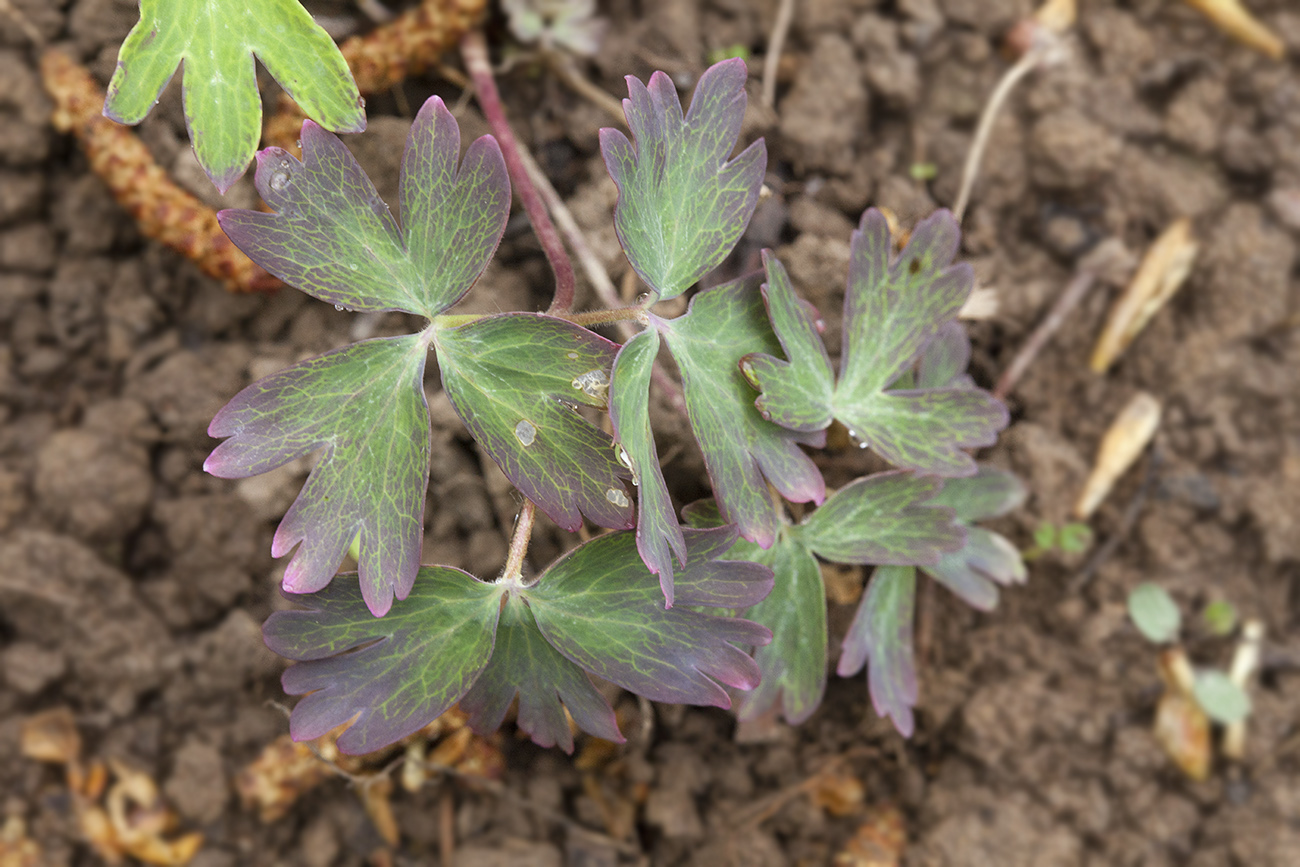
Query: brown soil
133, 585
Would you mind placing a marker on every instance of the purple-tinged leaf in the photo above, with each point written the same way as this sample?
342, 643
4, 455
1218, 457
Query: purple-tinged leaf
986, 559
892, 311
943, 363
794, 664
600, 607
682, 206
990, 493
882, 633
658, 536
743, 451
796, 394
973, 572
515, 380
524, 664
392, 675
332, 237
883, 519
364, 406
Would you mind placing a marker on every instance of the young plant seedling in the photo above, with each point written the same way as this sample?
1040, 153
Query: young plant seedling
1072, 537
1192, 698
731, 605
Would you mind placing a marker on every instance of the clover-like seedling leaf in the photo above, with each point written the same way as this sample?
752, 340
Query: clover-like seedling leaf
364, 406
881, 634
600, 607
658, 536
884, 519
1154, 613
893, 310
217, 40
682, 205
392, 675
513, 380
743, 452
332, 237
524, 664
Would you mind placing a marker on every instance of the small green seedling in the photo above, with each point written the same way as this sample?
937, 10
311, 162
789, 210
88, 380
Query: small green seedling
1070, 538
728, 609
1156, 615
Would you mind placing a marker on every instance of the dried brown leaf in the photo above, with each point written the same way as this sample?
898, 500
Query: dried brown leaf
1163, 270
277, 778
878, 842
836, 792
1235, 20
16, 849
51, 736
1121, 445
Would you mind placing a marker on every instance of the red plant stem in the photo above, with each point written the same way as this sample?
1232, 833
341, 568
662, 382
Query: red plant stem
473, 49
519, 542
1068, 300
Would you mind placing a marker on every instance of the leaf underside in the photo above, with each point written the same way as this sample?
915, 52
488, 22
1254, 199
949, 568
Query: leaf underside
881, 637
364, 406
682, 206
394, 674
217, 40
743, 452
892, 312
509, 378
658, 536
332, 237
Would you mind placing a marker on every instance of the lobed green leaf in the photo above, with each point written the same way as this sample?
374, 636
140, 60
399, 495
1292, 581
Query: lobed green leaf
524, 664
881, 635
986, 559
332, 237
600, 607
392, 675
217, 41
364, 406
742, 450
658, 536
513, 379
682, 206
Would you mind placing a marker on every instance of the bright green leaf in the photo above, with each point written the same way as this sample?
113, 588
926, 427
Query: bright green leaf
1220, 617
217, 40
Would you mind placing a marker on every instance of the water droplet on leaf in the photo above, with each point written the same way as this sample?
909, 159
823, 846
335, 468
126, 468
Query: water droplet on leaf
624, 458
352, 266
572, 356
338, 307
279, 180
525, 433
618, 498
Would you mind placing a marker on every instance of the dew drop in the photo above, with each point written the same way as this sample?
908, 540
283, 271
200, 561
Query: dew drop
279, 180
338, 307
572, 356
624, 458
593, 383
352, 266
525, 433
618, 498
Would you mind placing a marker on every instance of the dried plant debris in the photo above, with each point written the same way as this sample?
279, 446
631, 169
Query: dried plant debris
1235, 20
1181, 726
161, 209
16, 848
131, 822
380, 59
1121, 445
879, 840
1162, 272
